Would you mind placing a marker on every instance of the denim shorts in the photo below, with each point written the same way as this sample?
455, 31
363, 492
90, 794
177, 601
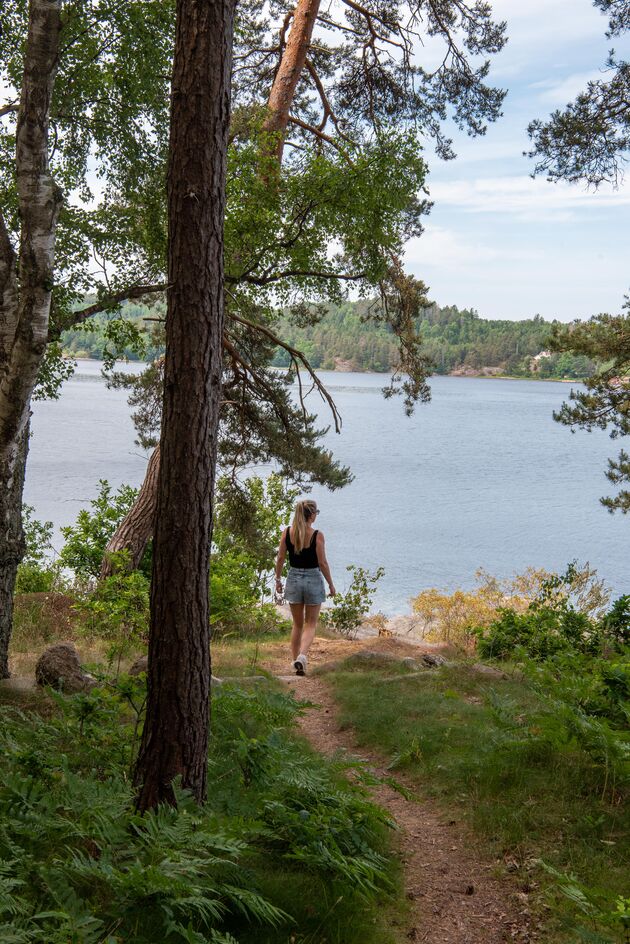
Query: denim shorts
305, 585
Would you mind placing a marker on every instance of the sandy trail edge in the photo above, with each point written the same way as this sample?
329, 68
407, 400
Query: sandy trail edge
455, 896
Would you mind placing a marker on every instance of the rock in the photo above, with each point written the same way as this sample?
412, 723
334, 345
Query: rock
140, 666
490, 670
409, 662
60, 668
432, 660
142, 663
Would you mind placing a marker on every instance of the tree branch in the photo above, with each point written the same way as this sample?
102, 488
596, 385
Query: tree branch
321, 135
110, 301
297, 357
295, 274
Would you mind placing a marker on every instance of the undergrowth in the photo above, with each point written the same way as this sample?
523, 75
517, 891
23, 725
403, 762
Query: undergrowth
284, 849
536, 774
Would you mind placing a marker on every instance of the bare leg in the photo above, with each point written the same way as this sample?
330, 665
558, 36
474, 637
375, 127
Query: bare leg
310, 626
297, 612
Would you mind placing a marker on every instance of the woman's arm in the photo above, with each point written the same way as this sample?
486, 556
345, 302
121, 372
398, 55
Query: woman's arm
282, 553
320, 546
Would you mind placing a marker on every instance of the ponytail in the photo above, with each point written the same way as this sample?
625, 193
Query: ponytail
304, 512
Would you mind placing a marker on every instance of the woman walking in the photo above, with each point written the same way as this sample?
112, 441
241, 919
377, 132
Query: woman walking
304, 590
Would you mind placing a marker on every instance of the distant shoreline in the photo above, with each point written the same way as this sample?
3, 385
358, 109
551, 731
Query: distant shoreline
387, 373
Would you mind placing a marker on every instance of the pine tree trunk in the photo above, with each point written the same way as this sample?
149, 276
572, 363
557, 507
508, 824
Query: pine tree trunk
25, 301
175, 737
289, 71
136, 529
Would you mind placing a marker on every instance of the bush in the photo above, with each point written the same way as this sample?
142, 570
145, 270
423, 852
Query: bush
234, 597
456, 617
38, 572
349, 609
87, 538
117, 610
540, 632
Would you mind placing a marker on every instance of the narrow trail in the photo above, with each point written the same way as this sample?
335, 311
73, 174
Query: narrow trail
454, 893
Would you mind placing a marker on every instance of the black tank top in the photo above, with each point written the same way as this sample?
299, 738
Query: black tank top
307, 557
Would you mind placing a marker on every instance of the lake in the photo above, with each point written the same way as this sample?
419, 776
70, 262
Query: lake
480, 477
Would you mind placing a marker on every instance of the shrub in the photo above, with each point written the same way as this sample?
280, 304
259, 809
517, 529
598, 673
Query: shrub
540, 632
86, 539
349, 609
456, 617
117, 610
38, 572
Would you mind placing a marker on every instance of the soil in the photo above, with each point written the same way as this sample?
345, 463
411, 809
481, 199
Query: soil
456, 895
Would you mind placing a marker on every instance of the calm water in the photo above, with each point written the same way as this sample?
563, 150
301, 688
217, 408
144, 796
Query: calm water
481, 476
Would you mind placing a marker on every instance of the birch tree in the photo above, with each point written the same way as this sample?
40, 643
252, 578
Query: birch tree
26, 282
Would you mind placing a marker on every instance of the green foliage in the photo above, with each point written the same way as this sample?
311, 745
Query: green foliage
249, 519
451, 338
117, 609
349, 608
603, 404
594, 905
589, 140
540, 632
561, 618
37, 572
85, 541
78, 864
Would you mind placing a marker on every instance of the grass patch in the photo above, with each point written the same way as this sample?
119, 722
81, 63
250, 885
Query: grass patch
511, 764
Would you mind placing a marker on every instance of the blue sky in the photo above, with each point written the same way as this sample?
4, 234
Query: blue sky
500, 242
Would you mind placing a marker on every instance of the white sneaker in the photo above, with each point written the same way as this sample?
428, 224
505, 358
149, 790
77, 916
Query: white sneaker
300, 665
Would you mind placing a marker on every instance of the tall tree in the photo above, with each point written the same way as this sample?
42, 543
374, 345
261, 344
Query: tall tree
175, 735
63, 99
363, 169
26, 281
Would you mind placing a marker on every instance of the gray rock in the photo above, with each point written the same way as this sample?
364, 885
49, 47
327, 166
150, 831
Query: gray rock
409, 662
490, 670
432, 660
59, 667
140, 666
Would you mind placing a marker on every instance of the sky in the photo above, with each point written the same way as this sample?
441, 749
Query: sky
497, 240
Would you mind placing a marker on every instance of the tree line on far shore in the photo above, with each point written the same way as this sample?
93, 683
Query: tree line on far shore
337, 336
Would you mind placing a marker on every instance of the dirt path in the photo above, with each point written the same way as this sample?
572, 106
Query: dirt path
455, 896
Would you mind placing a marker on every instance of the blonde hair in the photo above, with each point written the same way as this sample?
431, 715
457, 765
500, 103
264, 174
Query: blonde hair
304, 512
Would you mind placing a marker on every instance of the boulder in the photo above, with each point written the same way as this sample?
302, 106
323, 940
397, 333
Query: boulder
60, 668
432, 660
140, 666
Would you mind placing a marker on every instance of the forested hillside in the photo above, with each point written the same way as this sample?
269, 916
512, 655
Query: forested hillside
454, 338
457, 340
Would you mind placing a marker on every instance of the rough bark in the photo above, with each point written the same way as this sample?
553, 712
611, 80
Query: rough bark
289, 70
136, 528
283, 88
175, 737
25, 305
11, 542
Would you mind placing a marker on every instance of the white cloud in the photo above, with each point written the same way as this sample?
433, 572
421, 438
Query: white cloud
560, 92
542, 22
443, 248
526, 199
